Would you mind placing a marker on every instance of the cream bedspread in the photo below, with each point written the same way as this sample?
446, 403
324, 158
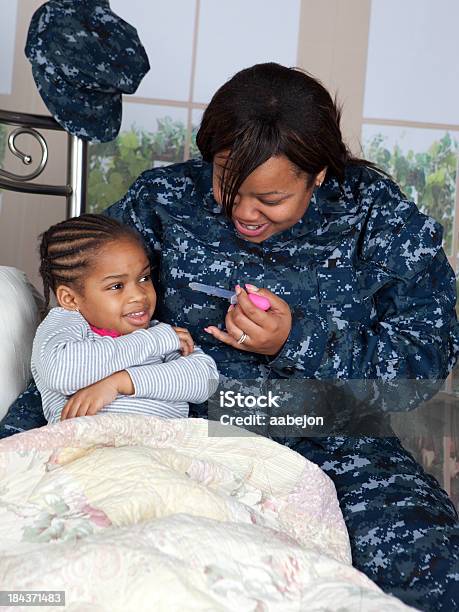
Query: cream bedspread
136, 513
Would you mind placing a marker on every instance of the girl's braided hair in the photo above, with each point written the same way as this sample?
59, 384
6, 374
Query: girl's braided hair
67, 249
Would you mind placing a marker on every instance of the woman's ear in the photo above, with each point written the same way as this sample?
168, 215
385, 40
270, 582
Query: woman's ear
67, 298
321, 177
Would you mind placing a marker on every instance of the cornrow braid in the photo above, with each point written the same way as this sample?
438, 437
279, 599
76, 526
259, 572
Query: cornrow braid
68, 248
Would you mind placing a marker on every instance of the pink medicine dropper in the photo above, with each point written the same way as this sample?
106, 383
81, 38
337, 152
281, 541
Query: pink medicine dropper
257, 300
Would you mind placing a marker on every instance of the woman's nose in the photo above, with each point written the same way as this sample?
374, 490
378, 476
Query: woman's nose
245, 209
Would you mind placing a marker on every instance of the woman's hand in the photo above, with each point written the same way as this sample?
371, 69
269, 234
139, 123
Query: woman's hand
90, 400
186, 341
266, 331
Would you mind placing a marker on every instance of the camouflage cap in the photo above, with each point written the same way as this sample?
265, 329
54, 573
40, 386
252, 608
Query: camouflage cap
84, 57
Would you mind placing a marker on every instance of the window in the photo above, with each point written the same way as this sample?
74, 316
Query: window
411, 116
182, 39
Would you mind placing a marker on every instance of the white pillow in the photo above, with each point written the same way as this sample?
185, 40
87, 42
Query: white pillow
20, 306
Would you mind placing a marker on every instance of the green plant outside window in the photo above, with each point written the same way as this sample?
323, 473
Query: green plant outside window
114, 166
428, 177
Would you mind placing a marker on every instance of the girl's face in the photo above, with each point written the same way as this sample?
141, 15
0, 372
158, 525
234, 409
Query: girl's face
271, 199
118, 293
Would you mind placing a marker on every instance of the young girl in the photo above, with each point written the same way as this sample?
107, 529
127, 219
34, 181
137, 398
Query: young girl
99, 350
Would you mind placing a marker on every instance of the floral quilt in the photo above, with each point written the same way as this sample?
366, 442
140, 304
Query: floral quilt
136, 513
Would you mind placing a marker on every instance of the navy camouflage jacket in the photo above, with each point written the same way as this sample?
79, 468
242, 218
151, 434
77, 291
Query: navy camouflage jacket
371, 291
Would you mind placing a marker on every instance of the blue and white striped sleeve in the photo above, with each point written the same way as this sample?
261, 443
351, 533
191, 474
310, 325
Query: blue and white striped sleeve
178, 379
67, 360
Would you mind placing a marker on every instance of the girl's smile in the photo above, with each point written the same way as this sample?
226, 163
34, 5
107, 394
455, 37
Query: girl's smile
139, 318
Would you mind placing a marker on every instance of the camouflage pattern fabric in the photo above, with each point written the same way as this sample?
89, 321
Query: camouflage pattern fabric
402, 526
372, 297
84, 57
24, 414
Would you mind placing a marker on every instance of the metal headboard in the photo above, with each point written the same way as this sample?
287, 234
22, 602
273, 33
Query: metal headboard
77, 161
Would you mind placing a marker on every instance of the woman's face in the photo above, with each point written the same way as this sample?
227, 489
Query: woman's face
271, 199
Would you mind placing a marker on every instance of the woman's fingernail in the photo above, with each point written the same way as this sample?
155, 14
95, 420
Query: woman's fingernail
206, 329
238, 289
231, 307
252, 287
